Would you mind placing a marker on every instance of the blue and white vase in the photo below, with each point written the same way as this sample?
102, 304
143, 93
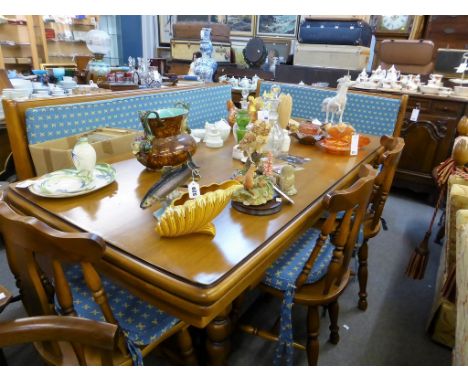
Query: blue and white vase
205, 66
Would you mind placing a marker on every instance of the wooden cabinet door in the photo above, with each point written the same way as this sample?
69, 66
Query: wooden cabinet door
428, 142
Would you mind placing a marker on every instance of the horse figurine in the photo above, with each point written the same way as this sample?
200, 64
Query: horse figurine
337, 104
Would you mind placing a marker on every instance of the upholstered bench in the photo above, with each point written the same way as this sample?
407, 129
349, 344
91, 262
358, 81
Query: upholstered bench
40, 120
368, 114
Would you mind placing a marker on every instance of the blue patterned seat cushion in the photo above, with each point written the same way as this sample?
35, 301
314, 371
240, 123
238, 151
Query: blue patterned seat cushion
207, 104
285, 270
368, 114
142, 322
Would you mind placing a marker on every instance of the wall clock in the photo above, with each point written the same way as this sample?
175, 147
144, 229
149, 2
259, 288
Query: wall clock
393, 25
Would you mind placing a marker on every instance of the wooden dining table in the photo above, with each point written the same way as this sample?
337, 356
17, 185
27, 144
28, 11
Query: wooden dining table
194, 277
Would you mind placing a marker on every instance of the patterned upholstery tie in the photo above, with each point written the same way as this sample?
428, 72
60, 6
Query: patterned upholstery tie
282, 275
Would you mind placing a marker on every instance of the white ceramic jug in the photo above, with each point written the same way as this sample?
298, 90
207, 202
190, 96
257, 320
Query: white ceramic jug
84, 157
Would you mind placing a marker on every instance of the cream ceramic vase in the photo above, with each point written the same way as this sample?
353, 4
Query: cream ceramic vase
84, 157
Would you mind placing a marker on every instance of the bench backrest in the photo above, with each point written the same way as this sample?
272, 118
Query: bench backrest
40, 120
52, 122
368, 114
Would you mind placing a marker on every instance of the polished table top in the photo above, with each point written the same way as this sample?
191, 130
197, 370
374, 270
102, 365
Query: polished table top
193, 276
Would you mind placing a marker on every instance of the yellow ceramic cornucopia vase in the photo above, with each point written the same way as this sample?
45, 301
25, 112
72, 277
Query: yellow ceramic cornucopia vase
186, 215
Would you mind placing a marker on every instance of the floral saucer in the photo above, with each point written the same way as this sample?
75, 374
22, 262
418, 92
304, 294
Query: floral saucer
69, 182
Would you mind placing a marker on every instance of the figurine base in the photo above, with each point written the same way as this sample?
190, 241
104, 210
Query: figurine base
269, 208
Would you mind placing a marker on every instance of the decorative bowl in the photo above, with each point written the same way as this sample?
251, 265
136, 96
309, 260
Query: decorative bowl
186, 215
339, 147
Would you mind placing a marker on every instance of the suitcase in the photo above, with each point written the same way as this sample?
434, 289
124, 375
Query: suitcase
335, 32
184, 50
191, 31
332, 56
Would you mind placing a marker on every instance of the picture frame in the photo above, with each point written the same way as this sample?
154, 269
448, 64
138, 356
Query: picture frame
281, 45
241, 25
277, 25
165, 23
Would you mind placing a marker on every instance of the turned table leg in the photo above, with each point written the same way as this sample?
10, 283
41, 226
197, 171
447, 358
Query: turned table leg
218, 343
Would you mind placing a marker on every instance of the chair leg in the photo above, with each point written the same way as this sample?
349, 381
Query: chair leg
184, 341
362, 275
313, 326
333, 310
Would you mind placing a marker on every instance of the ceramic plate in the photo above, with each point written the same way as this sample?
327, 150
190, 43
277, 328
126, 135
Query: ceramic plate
67, 183
459, 81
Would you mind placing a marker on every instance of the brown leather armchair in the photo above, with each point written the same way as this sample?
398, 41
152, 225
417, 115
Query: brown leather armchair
408, 56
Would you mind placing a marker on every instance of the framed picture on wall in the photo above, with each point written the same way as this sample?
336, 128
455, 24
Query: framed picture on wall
193, 18
279, 25
165, 23
279, 46
242, 25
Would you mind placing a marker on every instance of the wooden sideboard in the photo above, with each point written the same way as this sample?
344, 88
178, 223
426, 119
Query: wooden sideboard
429, 140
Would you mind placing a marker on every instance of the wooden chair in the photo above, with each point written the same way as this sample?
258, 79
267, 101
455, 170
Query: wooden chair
392, 148
57, 275
100, 338
314, 272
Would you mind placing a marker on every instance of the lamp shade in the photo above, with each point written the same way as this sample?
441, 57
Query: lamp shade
98, 41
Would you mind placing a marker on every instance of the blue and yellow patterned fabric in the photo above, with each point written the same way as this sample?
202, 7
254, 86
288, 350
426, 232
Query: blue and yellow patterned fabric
207, 104
282, 275
368, 114
141, 322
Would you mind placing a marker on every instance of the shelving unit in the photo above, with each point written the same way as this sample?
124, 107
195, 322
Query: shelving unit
66, 40
18, 43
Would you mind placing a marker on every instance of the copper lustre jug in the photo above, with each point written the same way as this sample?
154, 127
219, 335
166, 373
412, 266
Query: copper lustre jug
165, 142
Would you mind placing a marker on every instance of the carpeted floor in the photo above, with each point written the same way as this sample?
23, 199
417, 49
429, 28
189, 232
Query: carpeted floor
391, 331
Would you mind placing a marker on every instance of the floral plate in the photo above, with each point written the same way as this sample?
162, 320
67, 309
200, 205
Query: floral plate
67, 183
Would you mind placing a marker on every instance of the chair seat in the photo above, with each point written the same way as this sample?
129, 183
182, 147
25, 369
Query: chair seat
285, 270
143, 322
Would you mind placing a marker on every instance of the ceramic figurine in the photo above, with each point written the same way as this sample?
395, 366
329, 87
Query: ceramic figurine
232, 112
168, 182
223, 128
212, 136
84, 157
337, 104
257, 190
287, 180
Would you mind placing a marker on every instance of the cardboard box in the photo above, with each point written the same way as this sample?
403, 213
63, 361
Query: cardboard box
56, 154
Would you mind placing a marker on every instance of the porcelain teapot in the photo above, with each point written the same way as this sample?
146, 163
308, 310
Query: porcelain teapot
392, 74
379, 73
244, 83
234, 81
362, 77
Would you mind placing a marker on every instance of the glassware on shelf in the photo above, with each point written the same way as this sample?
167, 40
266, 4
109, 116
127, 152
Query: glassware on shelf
205, 66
